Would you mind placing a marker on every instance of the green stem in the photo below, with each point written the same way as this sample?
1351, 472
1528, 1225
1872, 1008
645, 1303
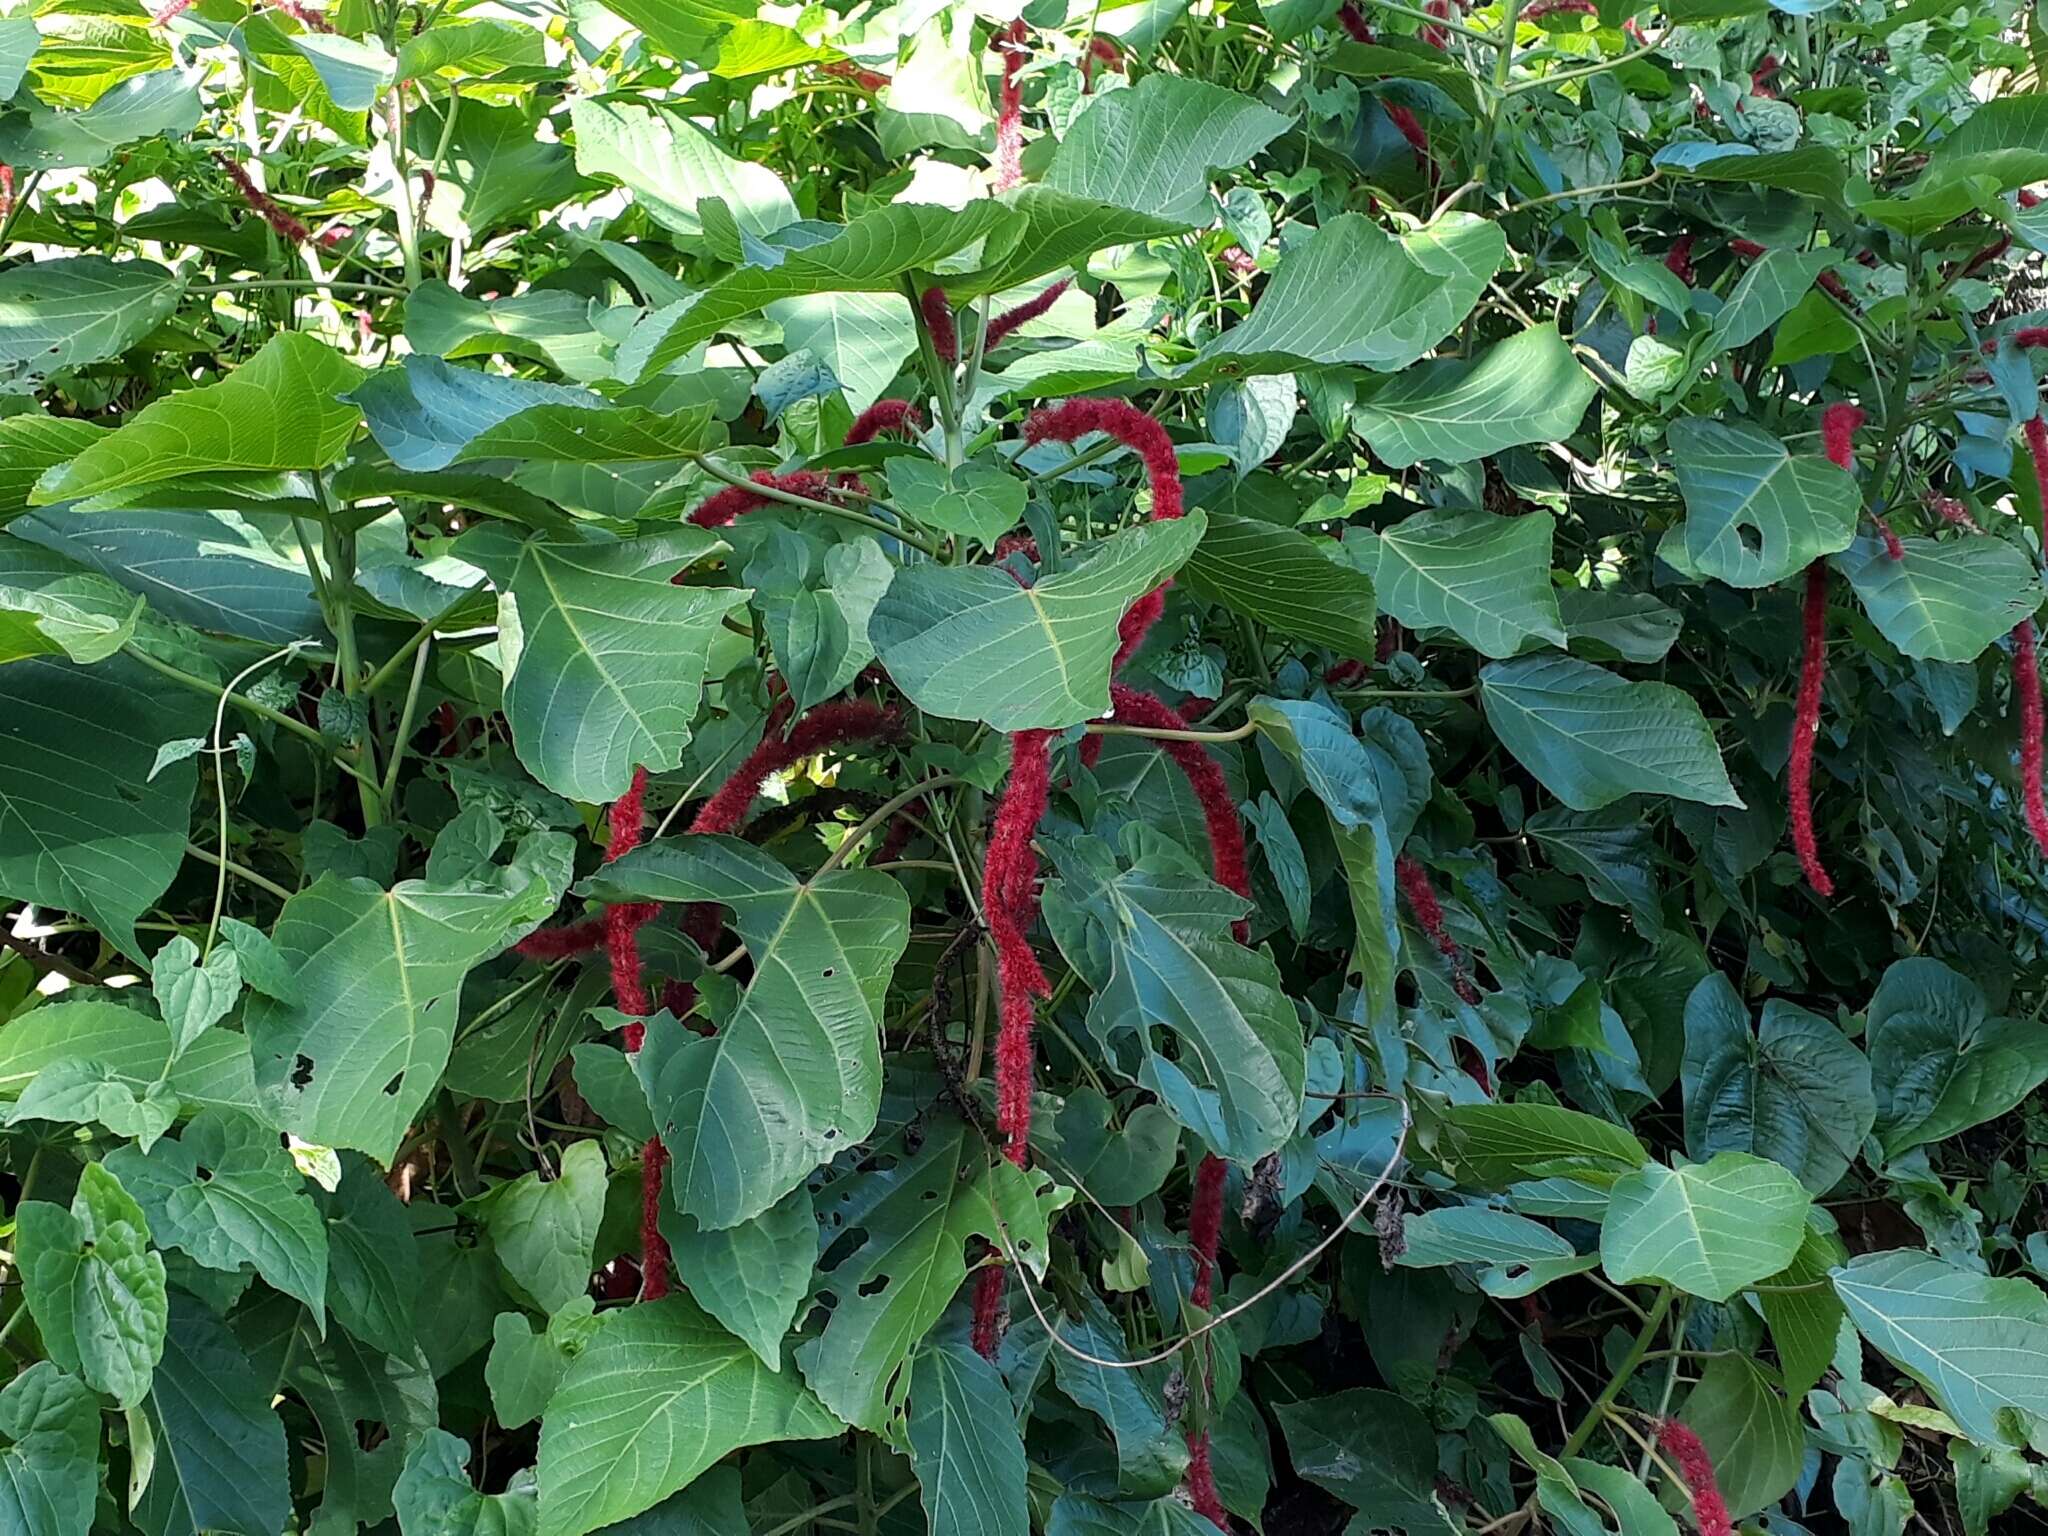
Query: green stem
300, 283
240, 871
341, 619
1564, 75
412, 702
1641, 1347
718, 471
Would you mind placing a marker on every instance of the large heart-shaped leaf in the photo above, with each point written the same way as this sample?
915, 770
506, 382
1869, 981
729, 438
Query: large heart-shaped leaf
1151, 148
50, 1463
1351, 294
965, 1448
221, 1462
1484, 578
1280, 577
1710, 1229
1940, 1061
794, 1076
79, 309
751, 1277
352, 1059
279, 410
1979, 1345
1591, 737
1949, 599
164, 104
968, 643
671, 165
603, 657
657, 1396
1754, 513
1527, 389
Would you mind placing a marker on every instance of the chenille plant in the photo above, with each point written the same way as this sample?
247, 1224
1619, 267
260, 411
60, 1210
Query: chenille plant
1083, 769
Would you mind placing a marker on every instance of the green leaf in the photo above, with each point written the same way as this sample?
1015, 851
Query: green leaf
1804, 1313
815, 601
1612, 850
968, 643
525, 1368
1490, 1146
354, 70
978, 500
50, 606
1765, 295
1353, 295
1710, 1229
79, 1091
1484, 578
1237, 1075
604, 658
752, 1277
549, 325
1118, 1164
50, 1465
1978, 1345
380, 977
93, 1286
1375, 1451
657, 1397
435, 1497
373, 1269
1519, 1256
497, 167
1527, 389
1754, 513
964, 1444
1614, 625
86, 823
1940, 1062
226, 1193
1949, 599
1059, 230
279, 410
77, 310
1751, 1432
1591, 737
918, 1217
872, 254
1811, 170
1077, 1514
30, 445
1151, 148
132, 1049
1151, 1455
544, 1232
793, 1077
1280, 577
1796, 1091
425, 414
672, 165
161, 105
192, 995
221, 1464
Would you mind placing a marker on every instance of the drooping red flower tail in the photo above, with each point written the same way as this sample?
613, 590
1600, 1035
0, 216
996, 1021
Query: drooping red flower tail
1353, 21
1543, 8
1678, 260
622, 920
1133, 706
1009, 42
1205, 1227
1433, 35
1429, 916
1101, 50
1760, 77
1009, 901
1709, 1509
989, 1284
1008, 321
2036, 433
1344, 673
1892, 546
938, 320
654, 1254
287, 226
721, 507
845, 69
6, 190
560, 943
883, 416
1748, 250
171, 12
1142, 434
1813, 671
1951, 511
2026, 684
305, 16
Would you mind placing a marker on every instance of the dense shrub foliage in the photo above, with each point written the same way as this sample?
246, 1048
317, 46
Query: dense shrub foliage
1119, 769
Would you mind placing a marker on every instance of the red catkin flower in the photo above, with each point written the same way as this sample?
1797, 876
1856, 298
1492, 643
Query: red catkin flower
1436, 36
560, 943
1838, 424
883, 416
1429, 916
1072, 420
2026, 336
1760, 77
1025, 313
1201, 1484
1009, 42
171, 12
1892, 546
1748, 250
310, 19
721, 507
2026, 685
2036, 433
823, 728
1952, 512
1103, 51
1345, 673
1133, 706
846, 69
1709, 1509
1410, 128
1678, 260
1353, 21
1543, 8
1009, 902
938, 320
267, 207
6, 190
1205, 1227
622, 920
1813, 668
